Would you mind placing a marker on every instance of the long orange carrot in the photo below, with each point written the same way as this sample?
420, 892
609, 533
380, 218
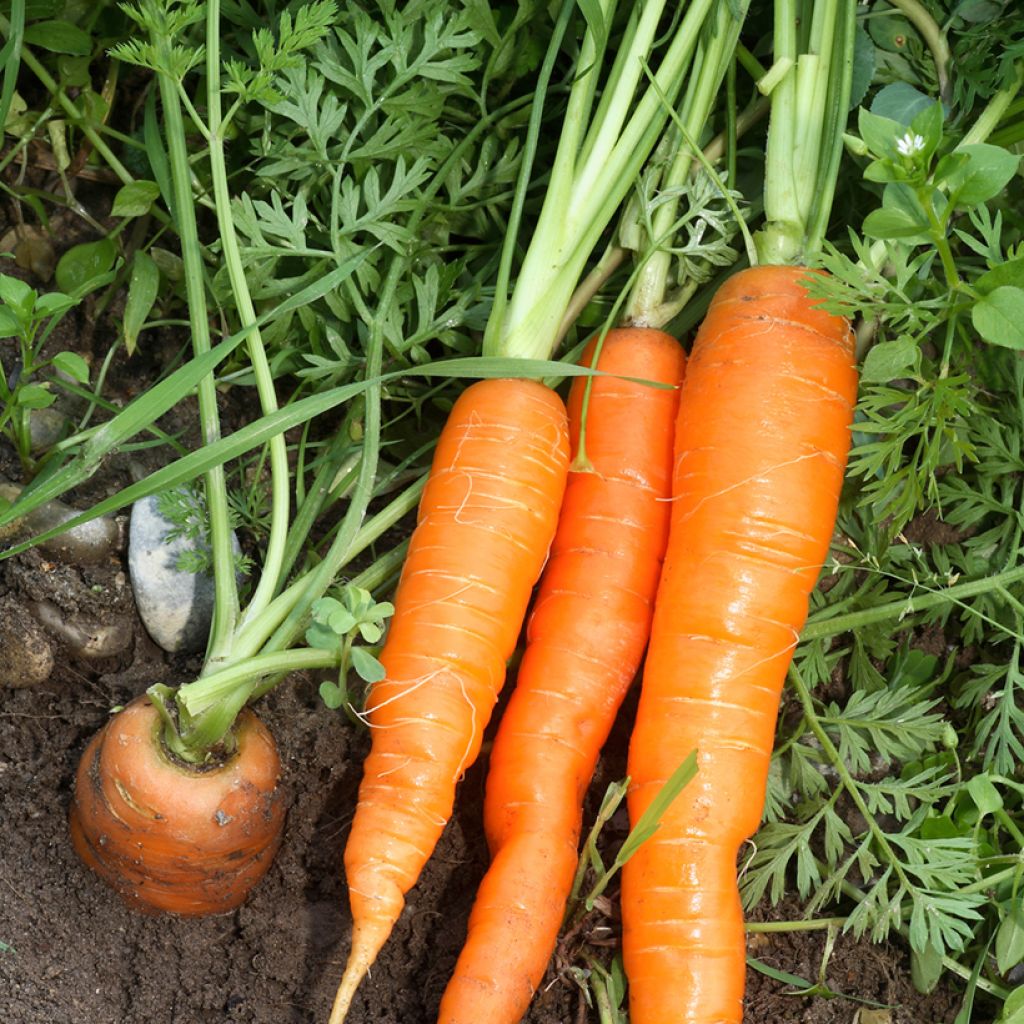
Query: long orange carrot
586, 636
486, 521
761, 445
168, 836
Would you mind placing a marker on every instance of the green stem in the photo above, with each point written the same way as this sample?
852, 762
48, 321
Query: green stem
225, 591
816, 924
845, 778
852, 621
805, 136
273, 558
935, 39
994, 110
648, 304
587, 188
257, 631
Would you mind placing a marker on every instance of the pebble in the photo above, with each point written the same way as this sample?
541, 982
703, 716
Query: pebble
45, 427
27, 656
85, 637
87, 544
175, 607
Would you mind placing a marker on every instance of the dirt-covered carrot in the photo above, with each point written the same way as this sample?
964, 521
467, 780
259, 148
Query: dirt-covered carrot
761, 444
170, 836
586, 636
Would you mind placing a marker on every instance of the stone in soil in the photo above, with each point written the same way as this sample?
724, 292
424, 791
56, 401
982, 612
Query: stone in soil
27, 656
175, 606
85, 637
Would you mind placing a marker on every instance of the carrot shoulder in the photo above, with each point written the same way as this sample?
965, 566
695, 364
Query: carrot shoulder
761, 445
486, 521
586, 636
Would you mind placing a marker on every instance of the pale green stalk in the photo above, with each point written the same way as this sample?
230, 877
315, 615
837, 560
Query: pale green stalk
273, 559
225, 591
578, 209
648, 304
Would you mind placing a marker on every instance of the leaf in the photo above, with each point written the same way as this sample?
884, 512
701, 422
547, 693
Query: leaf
72, 365
879, 133
341, 620
83, 264
889, 360
1010, 939
892, 224
926, 969
135, 199
367, 667
143, 287
18, 295
1009, 273
1013, 1008
899, 101
35, 396
999, 317
986, 172
59, 37
331, 694
863, 66
10, 323
984, 794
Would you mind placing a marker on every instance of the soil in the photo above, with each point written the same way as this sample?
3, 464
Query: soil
73, 952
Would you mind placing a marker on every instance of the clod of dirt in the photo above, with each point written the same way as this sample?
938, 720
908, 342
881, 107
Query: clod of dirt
27, 656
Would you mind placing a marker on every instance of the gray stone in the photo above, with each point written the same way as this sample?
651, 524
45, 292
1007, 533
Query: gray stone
176, 607
45, 427
87, 544
85, 637
27, 656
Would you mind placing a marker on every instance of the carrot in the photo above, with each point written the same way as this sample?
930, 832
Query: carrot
486, 520
761, 445
167, 835
585, 639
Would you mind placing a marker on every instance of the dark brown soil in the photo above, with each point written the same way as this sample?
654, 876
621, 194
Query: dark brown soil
79, 956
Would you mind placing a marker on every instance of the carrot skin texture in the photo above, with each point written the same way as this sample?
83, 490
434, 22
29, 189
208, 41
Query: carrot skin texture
169, 838
761, 445
486, 521
585, 640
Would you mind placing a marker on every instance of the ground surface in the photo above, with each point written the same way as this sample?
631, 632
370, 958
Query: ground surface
79, 956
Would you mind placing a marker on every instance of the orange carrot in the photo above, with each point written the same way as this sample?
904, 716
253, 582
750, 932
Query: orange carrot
166, 835
486, 521
761, 445
585, 640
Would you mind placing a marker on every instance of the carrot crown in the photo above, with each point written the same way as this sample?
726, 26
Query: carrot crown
809, 85
604, 142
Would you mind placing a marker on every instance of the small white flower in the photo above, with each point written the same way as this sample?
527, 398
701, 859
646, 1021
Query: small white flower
910, 144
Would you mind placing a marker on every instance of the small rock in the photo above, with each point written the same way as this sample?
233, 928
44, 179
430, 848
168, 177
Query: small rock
87, 544
85, 637
45, 427
176, 607
27, 656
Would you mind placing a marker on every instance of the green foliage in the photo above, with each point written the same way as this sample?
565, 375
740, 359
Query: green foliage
337, 623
